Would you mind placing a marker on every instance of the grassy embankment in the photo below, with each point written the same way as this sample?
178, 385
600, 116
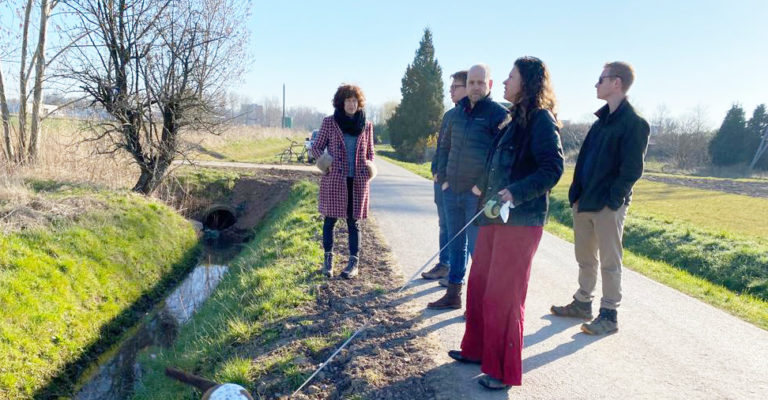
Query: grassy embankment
71, 285
266, 283
709, 245
88, 262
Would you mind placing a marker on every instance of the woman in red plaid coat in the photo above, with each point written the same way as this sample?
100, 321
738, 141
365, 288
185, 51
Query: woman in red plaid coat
344, 189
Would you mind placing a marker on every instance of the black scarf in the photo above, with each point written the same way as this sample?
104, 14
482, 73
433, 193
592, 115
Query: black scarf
350, 125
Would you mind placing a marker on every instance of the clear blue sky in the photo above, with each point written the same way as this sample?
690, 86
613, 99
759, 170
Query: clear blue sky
686, 53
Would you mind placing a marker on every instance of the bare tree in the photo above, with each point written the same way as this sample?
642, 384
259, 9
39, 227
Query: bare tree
27, 137
305, 117
158, 68
273, 111
6, 117
37, 92
572, 135
681, 141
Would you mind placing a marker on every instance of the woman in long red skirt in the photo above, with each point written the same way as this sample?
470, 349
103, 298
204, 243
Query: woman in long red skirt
524, 163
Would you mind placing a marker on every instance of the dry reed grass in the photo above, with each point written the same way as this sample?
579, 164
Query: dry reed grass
66, 157
237, 132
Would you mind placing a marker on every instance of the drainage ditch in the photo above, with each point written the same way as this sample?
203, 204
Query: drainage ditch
117, 371
223, 228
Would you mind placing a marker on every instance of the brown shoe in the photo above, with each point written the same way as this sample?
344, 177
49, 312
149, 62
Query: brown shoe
437, 272
451, 299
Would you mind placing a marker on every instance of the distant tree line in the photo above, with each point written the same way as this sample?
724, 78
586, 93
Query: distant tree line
737, 140
687, 143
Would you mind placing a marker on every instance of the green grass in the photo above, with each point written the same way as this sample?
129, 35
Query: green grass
262, 151
746, 307
69, 290
386, 152
728, 214
738, 264
706, 178
203, 183
267, 283
720, 240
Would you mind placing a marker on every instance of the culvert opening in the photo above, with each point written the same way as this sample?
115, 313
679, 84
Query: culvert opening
219, 218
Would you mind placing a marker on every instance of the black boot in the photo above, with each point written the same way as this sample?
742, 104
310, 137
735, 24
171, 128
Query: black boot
328, 264
351, 270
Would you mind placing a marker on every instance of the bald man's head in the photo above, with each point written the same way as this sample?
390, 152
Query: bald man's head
478, 83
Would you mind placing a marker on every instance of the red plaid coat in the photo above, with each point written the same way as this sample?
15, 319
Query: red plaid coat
332, 199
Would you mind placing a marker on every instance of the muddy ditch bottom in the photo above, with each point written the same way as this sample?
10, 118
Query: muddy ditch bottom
117, 371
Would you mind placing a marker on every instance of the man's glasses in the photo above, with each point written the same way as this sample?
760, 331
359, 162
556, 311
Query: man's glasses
454, 87
600, 80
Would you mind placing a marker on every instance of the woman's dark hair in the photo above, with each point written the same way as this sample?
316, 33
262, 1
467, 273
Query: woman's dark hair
346, 91
536, 92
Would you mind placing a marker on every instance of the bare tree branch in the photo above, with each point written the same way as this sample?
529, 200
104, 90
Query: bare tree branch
157, 67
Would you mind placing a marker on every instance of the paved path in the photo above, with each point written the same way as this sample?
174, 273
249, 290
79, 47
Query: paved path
670, 346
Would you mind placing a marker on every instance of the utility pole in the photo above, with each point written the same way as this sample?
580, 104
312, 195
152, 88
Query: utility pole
283, 124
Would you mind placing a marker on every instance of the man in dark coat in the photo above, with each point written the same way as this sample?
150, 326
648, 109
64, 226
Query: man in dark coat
461, 162
458, 92
610, 162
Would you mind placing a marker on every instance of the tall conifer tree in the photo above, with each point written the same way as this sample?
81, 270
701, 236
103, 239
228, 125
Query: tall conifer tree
418, 115
730, 143
755, 128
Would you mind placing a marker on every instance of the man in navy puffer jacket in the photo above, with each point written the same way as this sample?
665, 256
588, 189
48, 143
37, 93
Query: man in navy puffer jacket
461, 157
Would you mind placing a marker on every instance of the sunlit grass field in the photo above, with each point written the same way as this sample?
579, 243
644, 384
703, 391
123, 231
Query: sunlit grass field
718, 212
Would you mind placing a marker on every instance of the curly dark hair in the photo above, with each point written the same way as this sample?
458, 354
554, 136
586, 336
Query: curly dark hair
346, 91
536, 90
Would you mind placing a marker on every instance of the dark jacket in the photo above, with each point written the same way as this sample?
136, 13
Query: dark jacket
445, 129
462, 153
613, 153
527, 161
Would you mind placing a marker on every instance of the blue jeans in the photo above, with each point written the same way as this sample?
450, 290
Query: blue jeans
459, 209
442, 221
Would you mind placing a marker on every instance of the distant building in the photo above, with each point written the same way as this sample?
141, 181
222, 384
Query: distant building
45, 109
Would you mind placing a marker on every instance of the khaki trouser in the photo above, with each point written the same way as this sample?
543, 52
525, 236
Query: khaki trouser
599, 233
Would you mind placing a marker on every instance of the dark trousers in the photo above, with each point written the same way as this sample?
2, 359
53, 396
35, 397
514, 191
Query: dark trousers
442, 221
352, 226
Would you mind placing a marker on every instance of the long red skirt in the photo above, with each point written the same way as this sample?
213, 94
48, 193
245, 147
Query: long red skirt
498, 283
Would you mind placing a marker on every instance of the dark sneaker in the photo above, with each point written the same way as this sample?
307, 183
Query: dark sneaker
492, 383
437, 272
443, 282
604, 323
456, 355
577, 309
328, 264
352, 269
